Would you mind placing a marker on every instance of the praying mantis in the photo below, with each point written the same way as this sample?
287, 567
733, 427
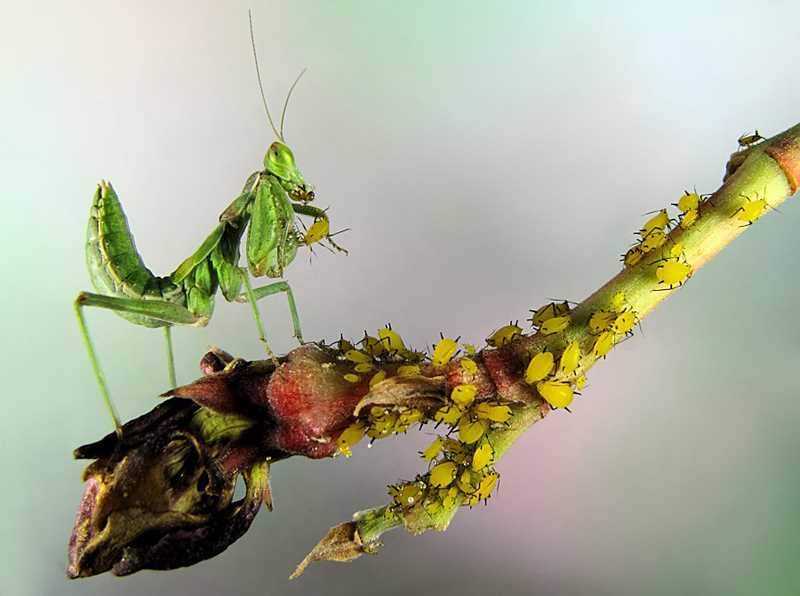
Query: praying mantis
269, 203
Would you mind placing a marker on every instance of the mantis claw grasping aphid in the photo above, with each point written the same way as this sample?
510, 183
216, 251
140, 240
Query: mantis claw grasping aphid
270, 201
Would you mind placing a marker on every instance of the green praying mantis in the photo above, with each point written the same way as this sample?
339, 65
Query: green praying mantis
268, 205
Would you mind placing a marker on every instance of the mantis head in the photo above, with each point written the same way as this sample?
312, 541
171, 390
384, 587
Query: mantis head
279, 161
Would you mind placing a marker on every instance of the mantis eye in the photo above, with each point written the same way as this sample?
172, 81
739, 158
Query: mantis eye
279, 160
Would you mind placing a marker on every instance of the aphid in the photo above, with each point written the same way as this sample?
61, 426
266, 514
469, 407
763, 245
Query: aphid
470, 431
349, 437
391, 339
633, 256
658, 222
470, 349
463, 395
443, 474
539, 367
447, 414
469, 366
673, 273
344, 345
456, 451
377, 378
493, 412
624, 323
618, 302
270, 201
504, 335
557, 393
549, 311
352, 378
554, 325
570, 358
580, 382
357, 357
317, 231
688, 218
363, 367
406, 419
747, 139
433, 450
653, 240
601, 320
450, 498
751, 209
486, 486
483, 456
603, 344
406, 495
465, 483
373, 346
690, 201
444, 351
408, 370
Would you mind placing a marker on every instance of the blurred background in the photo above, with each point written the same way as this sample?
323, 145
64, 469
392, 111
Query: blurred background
487, 157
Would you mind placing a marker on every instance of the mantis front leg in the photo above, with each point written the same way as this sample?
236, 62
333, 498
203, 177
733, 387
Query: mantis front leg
167, 312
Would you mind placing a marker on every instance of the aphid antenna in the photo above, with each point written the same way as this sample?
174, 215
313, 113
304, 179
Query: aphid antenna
258, 76
654, 211
562, 301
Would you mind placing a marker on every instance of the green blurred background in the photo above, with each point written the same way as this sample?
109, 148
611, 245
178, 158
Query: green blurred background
487, 156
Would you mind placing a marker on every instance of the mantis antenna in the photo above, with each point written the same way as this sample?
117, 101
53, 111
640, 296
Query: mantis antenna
258, 74
288, 95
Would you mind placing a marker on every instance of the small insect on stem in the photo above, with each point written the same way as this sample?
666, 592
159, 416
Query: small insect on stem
747, 140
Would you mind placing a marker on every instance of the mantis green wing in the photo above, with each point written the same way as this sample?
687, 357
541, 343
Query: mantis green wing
199, 255
271, 237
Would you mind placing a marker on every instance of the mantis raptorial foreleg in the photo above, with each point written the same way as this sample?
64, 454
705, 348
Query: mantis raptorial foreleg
252, 295
167, 312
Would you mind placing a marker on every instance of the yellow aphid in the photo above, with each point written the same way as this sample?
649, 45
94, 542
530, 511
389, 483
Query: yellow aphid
748, 139
433, 507
601, 320
357, 356
373, 346
504, 335
751, 210
443, 474
351, 378
688, 218
382, 426
659, 221
465, 482
555, 325
618, 302
673, 273
317, 231
444, 351
624, 323
603, 344
539, 367
463, 395
556, 393
654, 239
377, 378
469, 366
676, 250
450, 498
391, 339
433, 450
364, 367
580, 382
406, 495
447, 414
344, 345
486, 486
409, 417
469, 432
377, 411
483, 456
548, 311
349, 437
470, 349
633, 256
456, 450
570, 358
408, 370
690, 201
493, 412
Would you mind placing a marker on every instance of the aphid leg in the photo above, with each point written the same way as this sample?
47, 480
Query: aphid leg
252, 295
167, 312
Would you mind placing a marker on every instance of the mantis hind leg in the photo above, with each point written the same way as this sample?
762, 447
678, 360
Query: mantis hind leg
169, 313
252, 295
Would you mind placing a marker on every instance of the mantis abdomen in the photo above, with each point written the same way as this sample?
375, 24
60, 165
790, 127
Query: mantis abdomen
115, 266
